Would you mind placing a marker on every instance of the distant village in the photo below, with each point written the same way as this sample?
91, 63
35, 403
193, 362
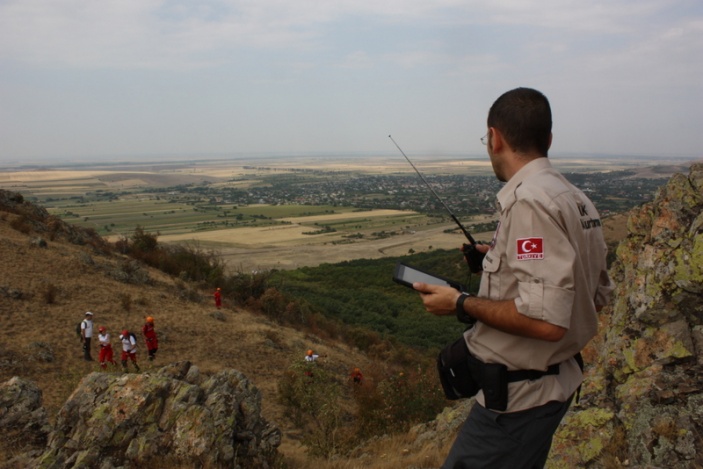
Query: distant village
612, 192
464, 195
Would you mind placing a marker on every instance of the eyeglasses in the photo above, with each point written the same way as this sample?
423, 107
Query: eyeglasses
484, 139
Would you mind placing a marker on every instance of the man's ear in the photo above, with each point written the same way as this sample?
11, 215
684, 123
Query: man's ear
550, 140
496, 141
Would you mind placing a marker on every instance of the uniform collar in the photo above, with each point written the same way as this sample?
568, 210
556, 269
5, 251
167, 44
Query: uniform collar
506, 196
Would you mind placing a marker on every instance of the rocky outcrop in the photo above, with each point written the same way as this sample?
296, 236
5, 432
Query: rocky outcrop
174, 417
33, 218
642, 401
23, 421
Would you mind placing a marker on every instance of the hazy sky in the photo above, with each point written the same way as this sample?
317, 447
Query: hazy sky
122, 79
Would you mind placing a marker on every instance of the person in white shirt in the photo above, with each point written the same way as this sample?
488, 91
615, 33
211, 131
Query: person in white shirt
106, 353
129, 349
87, 335
311, 356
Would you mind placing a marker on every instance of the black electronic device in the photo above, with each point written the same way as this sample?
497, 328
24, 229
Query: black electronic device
407, 275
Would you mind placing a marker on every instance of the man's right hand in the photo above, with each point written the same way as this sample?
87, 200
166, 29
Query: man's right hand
474, 254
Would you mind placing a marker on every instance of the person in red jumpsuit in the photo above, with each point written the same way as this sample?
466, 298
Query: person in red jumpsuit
152, 343
356, 376
218, 297
106, 353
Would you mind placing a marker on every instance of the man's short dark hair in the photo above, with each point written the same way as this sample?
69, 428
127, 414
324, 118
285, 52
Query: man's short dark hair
524, 118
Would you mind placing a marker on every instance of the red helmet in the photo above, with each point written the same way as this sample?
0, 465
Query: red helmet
125, 333
102, 329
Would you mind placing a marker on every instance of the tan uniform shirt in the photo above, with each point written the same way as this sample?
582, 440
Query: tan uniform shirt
549, 255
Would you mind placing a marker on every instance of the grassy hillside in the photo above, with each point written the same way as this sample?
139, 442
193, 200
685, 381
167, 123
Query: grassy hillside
47, 284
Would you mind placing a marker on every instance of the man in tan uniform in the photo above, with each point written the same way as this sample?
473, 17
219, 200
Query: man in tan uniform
544, 278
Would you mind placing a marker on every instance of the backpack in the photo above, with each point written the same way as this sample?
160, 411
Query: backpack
78, 330
132, 336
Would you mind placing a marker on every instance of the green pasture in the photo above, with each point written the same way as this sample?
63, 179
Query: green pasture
157, 214
365, 223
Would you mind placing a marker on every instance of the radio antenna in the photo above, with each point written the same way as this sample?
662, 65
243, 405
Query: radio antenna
466, 233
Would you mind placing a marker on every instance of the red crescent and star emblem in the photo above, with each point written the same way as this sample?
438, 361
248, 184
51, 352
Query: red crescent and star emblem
529, 249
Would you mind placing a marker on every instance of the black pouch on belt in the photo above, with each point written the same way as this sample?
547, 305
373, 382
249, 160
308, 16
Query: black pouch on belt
454, 373
495, 386
493, 378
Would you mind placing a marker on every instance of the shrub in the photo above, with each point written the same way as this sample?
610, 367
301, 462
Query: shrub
143, 242
241, 287
42, 351
312, 397
185, 292
125, 301
395, 402
218, 316
273, 304
49, 294
296, 313
21, 224
362, 338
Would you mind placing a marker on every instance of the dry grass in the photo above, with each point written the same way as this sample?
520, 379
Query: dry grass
59, 283
393, 452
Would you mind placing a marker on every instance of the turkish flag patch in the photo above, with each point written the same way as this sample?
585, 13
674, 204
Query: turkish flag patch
530, 248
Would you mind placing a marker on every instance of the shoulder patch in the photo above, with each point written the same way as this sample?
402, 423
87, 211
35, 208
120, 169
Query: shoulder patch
530, 249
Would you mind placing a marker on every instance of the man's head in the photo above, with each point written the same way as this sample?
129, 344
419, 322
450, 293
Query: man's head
89, 315
524, 118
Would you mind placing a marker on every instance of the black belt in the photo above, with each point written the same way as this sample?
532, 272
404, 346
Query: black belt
522, 375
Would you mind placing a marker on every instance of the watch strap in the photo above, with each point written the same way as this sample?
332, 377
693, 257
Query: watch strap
461, 315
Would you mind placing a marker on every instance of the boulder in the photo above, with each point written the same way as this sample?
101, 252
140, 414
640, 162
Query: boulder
23, 420
174, 417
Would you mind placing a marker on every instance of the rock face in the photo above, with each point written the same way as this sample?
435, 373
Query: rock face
172, 418
23, 420
642, 402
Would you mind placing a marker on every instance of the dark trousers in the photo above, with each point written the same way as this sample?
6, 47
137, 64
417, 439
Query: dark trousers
86, 349
513, 440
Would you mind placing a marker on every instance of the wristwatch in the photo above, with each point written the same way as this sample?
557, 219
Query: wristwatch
461, 315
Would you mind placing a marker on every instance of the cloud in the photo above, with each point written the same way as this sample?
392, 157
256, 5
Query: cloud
158, 75
182, 34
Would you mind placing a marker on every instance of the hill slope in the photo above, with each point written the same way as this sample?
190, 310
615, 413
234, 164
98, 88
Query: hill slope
47, 286
640, 404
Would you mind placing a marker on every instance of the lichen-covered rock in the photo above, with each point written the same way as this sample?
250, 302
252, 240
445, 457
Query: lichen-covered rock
23, 420
172, 417
642, 403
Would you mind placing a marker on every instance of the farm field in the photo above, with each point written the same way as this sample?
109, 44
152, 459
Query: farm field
269, 237
113, 200
175, 199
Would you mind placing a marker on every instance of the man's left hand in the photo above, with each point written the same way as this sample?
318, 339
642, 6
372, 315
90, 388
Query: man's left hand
438, 300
